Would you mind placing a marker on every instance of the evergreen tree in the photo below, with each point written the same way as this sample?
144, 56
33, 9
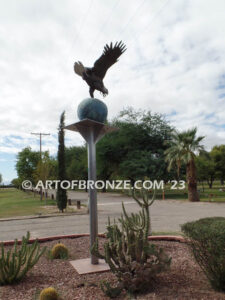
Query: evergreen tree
61, 196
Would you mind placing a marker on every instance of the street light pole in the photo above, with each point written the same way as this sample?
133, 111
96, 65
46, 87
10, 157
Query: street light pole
40, 134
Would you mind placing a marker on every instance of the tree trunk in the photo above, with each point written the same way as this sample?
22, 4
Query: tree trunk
203, 188
104, 187
193, 195
210, 184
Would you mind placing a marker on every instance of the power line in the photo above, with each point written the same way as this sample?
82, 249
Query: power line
80, 27
147, 26
157, 14
106, 21
85, 15
132, 17
82, 22
135, 37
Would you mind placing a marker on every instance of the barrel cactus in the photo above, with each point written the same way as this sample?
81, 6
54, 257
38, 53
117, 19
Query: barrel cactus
59, 251
49, 294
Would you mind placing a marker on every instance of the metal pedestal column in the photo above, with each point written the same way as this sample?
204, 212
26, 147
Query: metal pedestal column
92, 132
92, 191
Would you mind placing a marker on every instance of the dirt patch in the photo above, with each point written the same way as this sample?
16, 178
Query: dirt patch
184, 281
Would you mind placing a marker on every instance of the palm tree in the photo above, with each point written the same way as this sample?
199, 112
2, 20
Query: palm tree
183, 148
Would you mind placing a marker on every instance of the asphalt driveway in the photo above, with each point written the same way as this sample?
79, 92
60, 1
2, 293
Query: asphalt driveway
166, 215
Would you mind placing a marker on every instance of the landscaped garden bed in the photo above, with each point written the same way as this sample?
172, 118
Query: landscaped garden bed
185, 280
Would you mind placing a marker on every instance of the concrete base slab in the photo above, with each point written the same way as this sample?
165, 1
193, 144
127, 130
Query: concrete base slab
84, 266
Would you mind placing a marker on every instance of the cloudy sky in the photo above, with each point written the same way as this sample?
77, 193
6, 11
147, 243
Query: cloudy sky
174, 65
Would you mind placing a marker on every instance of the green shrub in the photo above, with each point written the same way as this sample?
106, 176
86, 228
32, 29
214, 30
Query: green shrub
49, 294
15, 263
207, 241
130, 256
59, 251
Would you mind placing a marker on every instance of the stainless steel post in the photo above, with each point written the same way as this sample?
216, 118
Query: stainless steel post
92, 132
92, 191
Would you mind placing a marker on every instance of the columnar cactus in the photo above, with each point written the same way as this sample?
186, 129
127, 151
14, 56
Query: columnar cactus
15, 263
128, 252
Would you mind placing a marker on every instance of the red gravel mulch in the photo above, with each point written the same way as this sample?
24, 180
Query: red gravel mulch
185, 280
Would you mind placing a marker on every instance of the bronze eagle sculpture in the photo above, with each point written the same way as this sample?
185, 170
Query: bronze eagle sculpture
94, 76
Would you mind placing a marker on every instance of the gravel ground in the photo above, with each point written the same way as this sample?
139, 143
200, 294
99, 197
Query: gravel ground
185, 280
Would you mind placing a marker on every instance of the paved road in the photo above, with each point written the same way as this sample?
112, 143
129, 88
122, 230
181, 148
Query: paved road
166, 215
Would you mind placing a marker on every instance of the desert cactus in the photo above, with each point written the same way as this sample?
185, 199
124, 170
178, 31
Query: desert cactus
111, 292
59, 251
49, 294
16, 263
128, 252
145, 204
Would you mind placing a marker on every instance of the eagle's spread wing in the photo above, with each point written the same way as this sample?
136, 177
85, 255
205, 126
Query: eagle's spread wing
79, 69
108, 58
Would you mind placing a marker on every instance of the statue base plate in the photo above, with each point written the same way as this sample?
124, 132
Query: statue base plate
84, 266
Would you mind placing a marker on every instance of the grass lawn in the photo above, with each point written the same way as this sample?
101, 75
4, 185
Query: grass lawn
18, 203
215, 194
167, 233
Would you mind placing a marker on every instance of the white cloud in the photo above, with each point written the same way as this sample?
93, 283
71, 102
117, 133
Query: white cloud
3, 160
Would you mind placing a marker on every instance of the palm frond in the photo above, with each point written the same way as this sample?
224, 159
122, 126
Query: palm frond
182, 147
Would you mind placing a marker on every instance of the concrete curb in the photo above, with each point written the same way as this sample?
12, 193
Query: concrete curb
171, 238
42, 216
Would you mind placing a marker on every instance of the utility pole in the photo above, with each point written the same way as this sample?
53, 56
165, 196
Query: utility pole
40, 138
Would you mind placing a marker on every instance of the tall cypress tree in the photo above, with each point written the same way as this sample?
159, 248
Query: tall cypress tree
61, 197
